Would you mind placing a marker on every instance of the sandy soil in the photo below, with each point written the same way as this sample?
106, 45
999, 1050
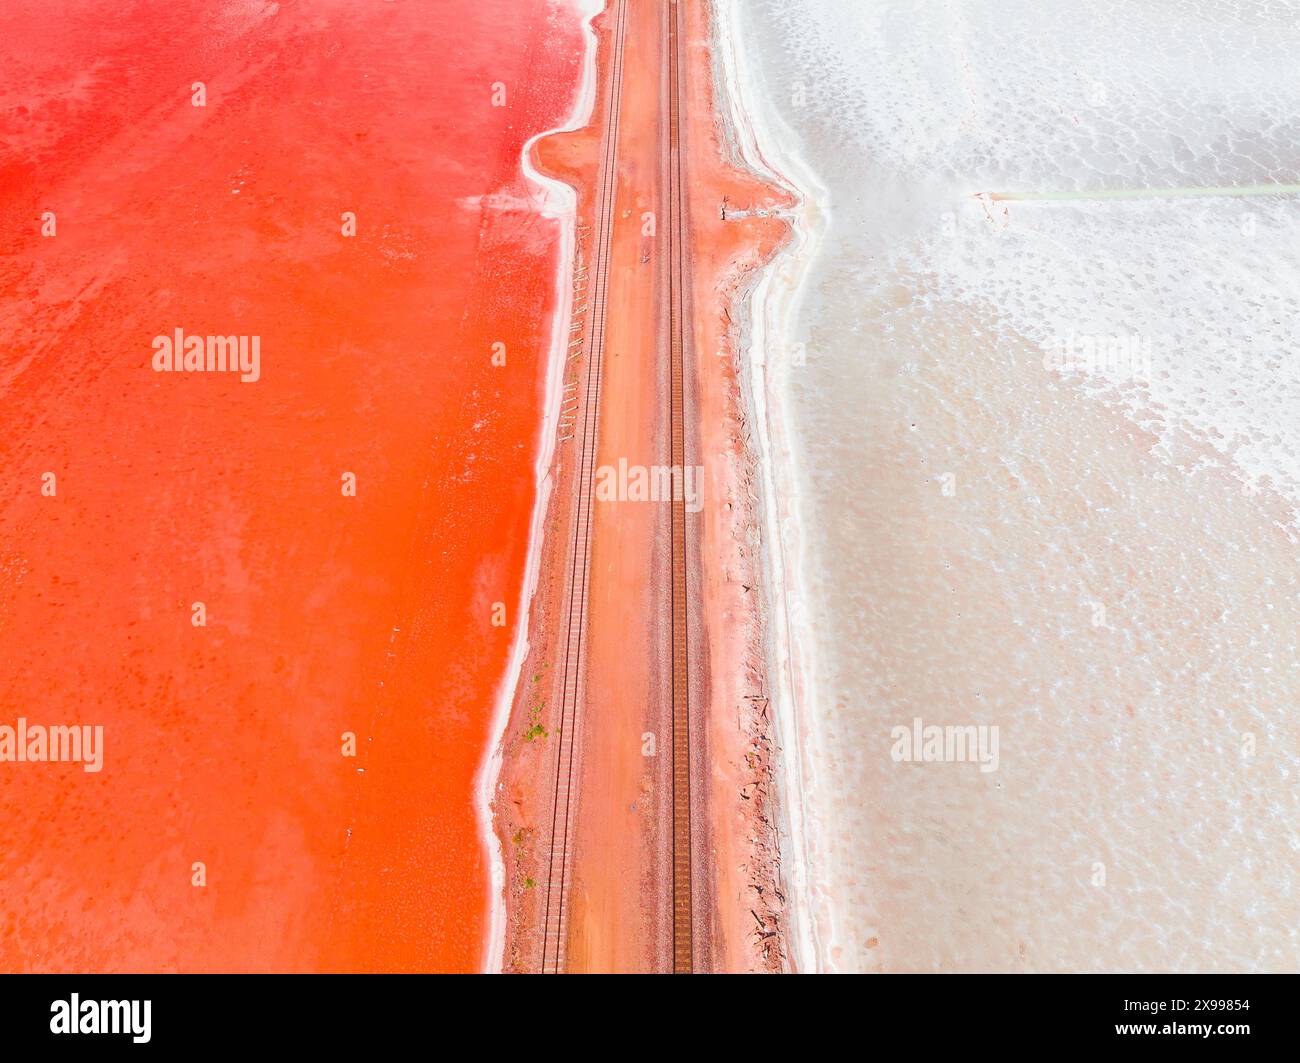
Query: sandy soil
619, 911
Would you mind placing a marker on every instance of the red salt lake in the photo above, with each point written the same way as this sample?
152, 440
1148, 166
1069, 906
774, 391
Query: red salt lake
326, 613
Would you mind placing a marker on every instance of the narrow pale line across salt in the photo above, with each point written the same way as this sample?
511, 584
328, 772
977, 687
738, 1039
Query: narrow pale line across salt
1231, 191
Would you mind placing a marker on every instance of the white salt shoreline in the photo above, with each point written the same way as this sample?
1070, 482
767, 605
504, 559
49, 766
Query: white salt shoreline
560, 201
769, 331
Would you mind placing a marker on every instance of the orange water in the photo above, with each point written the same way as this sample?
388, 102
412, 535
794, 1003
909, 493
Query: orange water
325, 613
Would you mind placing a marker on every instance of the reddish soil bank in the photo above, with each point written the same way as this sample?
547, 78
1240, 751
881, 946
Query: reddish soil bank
619, 897
325, 613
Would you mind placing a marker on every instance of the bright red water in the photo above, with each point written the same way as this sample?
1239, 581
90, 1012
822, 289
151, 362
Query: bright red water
325, 613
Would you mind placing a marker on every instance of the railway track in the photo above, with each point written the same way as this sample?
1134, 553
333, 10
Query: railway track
554, 920
574, 633
683, 955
